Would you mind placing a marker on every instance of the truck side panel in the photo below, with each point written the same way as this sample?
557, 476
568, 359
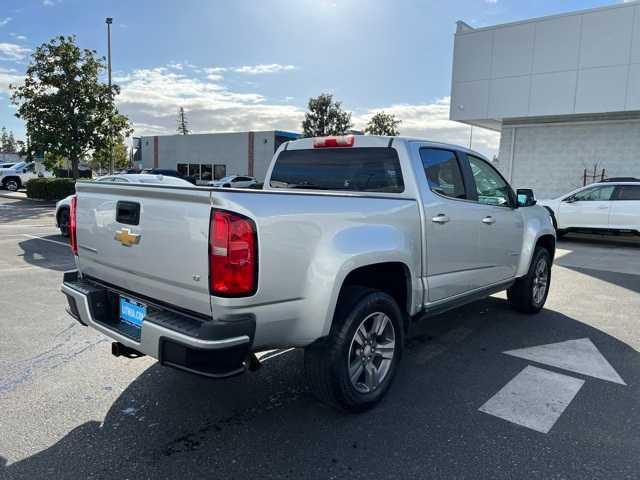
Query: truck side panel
308, 244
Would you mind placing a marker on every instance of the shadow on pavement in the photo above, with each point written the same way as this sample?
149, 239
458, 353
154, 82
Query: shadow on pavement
15, 210
168, 424
47, 251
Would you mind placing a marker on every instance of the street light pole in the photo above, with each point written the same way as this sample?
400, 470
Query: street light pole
109, 21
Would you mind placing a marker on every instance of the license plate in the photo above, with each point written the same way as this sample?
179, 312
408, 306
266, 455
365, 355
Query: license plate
132, 312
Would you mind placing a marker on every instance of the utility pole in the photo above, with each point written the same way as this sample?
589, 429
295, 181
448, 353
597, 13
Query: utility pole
109, 21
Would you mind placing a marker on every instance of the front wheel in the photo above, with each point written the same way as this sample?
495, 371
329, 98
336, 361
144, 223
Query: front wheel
12, 185
529, 293
354, 366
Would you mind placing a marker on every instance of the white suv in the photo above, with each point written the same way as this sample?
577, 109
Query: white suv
606, 207
15, 177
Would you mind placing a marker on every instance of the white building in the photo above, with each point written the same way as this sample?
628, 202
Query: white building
564, 91
209, 156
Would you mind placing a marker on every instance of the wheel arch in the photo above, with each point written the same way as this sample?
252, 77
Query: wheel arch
392, 277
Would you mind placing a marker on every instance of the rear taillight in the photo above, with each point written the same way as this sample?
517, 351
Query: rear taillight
233, 255
73, 225
334, 142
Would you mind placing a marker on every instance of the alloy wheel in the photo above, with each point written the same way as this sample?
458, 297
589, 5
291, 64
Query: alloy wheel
540, 281
371, 352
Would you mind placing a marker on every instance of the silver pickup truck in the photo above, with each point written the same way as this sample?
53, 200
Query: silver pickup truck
351, 241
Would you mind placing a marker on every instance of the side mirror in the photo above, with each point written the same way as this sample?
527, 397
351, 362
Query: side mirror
526, 198
571, 200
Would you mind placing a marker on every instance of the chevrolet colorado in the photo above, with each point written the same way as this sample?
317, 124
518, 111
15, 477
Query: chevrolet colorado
351, 240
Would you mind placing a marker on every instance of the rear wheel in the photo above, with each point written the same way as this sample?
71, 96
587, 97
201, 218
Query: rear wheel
354, 366
529, 293
63, 221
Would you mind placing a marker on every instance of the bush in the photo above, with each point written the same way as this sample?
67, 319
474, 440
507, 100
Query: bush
50, 188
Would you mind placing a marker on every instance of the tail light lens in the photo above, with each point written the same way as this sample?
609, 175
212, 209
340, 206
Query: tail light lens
233, 255
334, 142
73, 225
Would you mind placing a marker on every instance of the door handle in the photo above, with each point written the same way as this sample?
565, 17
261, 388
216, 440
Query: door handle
440, 218
489, 220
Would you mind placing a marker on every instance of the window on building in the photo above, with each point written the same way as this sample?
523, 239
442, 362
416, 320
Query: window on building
219, 171
206, 172
490, 186
194, 170
183, 169
443, 172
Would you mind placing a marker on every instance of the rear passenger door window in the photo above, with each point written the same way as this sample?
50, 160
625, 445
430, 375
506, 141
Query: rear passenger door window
628, 192
443, 173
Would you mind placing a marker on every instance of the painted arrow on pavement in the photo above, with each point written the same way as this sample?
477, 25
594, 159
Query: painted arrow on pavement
536, 398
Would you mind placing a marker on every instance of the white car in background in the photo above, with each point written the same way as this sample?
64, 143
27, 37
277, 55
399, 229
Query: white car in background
605, 207
234, 181
62, 207
16, 176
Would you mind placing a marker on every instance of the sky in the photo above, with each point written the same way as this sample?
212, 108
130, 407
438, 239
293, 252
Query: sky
237, 65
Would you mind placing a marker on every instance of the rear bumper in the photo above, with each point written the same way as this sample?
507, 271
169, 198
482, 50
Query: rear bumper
209, 347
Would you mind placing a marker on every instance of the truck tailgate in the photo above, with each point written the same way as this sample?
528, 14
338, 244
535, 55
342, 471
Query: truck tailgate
162, 255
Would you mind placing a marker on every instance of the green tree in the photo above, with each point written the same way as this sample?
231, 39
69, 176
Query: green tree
383, 123
101, 158
325, 117
10, 146
67, 111
3, 139
183, 124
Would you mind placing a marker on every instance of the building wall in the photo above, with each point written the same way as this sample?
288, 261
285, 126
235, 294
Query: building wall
581, 62
229, 149
551, 158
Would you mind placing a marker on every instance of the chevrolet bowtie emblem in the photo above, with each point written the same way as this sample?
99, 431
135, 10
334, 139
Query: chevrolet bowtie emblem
126, 238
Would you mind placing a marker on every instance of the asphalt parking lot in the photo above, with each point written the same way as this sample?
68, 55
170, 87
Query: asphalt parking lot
459, 408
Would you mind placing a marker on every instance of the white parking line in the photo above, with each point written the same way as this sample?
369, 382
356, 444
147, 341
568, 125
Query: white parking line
45, 239
535, 398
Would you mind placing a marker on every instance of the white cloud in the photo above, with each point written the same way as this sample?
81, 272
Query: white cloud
260, 69
264, 69
12, 51
17, 37
150, 98
9, 76
431, 121
4, 21
48, 3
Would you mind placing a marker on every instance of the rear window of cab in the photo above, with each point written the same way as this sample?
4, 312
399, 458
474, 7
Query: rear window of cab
372, 169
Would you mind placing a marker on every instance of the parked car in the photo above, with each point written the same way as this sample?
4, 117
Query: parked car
605, 207
351, 241
15, 177
234, 181
63, 206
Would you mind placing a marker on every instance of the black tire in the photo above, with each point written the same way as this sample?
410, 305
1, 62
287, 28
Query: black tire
327, 361
522, 294
63, 221
12, 184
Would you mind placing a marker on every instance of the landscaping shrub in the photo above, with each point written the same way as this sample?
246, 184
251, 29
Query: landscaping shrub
50, 188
